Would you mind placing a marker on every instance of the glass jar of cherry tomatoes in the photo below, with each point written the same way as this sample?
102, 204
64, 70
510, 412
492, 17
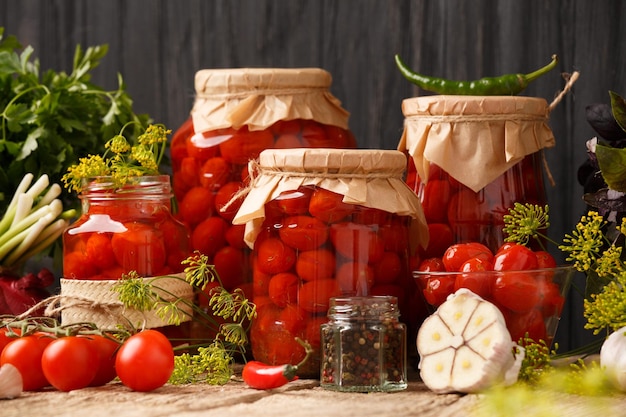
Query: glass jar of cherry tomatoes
125, 229
326, 223
471, 158
238, 113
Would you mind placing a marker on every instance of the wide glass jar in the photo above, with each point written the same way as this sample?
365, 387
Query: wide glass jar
327, 223
238, 113
471, 158
363, 345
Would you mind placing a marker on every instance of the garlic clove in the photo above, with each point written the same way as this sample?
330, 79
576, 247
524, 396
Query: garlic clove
11, 385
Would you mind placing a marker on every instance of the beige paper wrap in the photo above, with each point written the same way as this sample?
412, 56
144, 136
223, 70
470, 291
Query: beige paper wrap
370, 178
259, 97
475, 139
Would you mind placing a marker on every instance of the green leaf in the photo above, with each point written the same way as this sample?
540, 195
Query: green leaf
612, 163
618, 105
9, 63
31, 144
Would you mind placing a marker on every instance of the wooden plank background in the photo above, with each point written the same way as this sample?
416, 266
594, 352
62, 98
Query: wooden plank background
158, 45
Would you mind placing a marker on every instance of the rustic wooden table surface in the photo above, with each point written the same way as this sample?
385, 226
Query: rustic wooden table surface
302, 398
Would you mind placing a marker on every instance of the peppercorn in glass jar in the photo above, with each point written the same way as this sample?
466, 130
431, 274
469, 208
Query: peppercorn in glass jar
363, 345
471, 158
326, 223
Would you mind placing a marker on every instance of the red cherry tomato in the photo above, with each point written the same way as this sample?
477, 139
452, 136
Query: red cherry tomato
516, 291
283, 288
25, 354
357, 242
140, 248
328, 206
70, 363
438, 288
295, 202
436, 195
515, 258
303, 232
432, 265
274, 256
530, 322
107, 349
456, 255
475, 281
545, 260
440, 239
145, 361
316, 264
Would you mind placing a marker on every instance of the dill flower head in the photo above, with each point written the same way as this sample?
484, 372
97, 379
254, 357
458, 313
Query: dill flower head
122, 160
525, 221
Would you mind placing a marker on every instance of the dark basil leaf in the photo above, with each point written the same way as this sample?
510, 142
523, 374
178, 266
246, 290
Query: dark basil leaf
612, 163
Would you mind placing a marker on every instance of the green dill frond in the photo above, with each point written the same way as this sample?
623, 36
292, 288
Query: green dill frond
199, 271
211, 365
525, 221
607, 309
135, 292
537, 360
170, 313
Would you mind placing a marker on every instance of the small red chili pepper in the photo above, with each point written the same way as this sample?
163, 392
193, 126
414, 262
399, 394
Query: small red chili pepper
259, 375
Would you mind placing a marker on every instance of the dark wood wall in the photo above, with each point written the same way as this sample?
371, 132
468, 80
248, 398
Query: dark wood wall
158, 45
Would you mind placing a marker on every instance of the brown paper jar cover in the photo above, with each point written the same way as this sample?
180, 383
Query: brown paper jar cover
367, 177
475, 139
259, 97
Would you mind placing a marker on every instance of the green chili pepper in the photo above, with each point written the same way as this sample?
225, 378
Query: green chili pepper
508, 84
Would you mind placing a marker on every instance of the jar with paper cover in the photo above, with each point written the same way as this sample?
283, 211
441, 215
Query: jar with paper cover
471, 158
237, 113
326, 223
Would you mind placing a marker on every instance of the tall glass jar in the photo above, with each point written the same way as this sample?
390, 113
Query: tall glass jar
326, 223
121, 230
363, 345
237, 114
471, 158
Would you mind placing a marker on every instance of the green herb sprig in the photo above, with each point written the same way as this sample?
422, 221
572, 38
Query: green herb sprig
48, 120
122, 160
212, 360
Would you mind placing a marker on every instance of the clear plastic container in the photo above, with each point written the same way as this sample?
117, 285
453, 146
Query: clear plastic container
363, 346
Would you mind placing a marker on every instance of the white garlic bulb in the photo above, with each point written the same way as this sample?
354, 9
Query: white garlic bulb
613, 358
465, 346
11, 384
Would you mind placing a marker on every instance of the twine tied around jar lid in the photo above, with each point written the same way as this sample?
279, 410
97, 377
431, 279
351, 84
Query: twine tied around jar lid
475, 139
259, 97
369, 178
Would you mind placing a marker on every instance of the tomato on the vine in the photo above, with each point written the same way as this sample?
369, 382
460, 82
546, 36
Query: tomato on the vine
25, 354
107, 349
70, 363
145, 361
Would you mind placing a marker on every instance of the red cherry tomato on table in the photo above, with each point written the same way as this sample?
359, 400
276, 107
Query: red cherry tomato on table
145, 361
25, 354
107, 349
70, 363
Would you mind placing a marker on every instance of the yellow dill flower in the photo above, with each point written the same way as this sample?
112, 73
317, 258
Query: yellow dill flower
118, 145
145, 157
525, 221
585, 242
87, 167
607, 309
154, 134
610, 263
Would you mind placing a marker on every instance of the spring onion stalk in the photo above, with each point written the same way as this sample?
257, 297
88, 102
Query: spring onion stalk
34, 219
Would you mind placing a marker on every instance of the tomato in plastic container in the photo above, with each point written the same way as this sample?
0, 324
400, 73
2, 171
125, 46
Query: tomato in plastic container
471, 158
238, 113
327, 223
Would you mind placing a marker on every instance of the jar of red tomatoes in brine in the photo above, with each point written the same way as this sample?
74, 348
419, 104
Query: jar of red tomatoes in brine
127, 229
326, 223
238, 113
471, 158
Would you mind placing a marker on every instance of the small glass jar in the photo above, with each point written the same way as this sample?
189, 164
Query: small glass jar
125, 229
363, 345
471, 158
238, 113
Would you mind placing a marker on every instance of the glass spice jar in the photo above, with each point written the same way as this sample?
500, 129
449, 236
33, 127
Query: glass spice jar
363, 345
471, 158
326, 223
238, 113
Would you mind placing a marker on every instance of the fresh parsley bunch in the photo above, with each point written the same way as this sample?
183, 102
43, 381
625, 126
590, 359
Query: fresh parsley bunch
49, 120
